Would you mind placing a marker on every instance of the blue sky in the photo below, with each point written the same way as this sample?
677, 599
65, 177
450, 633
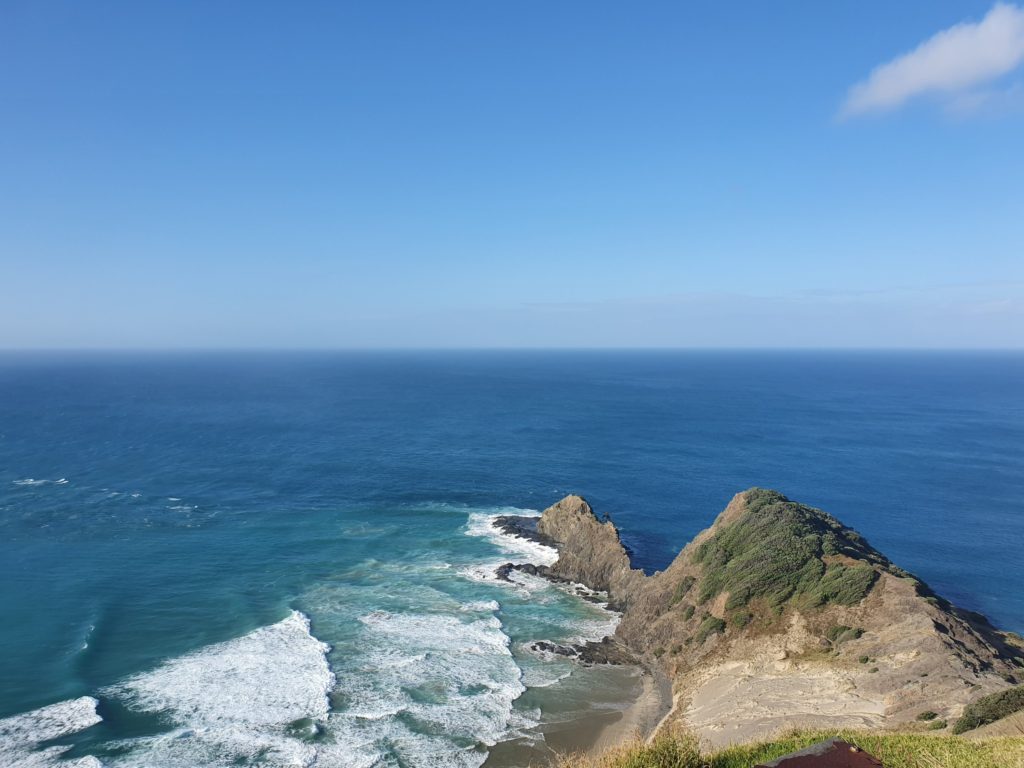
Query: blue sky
511, 174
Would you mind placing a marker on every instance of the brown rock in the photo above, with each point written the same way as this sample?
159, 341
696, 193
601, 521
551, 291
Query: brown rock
590, 551
833, 753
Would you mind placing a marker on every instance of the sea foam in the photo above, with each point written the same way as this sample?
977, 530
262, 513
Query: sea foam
31, 481
21, 735
428, 690
237, 700
518, 549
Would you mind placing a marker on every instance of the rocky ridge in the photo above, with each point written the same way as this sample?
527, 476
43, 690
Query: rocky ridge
778, 615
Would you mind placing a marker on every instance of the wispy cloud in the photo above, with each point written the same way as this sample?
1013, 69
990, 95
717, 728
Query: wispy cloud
954, 62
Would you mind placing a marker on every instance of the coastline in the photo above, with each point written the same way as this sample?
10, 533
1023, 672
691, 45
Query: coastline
640, 719
629, 703
609, 722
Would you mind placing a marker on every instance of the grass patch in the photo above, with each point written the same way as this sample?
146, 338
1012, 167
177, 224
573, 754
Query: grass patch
928, 715
841, 633
895, 750
709, 626
740, 619
990, 708
682, 588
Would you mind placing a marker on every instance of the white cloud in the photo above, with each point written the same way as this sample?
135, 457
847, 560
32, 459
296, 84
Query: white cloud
952, 62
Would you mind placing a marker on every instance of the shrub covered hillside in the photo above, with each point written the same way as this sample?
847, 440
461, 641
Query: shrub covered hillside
779, 552
990, 708
761, 558
895, 750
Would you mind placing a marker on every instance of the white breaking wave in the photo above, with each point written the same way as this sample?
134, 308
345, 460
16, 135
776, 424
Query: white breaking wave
20, 735
515, 549
428, 690
598, 628
33, 481
481, 605
549, 669
519, 550
250, 698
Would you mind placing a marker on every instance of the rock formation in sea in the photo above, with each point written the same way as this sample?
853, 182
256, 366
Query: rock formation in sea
778, 615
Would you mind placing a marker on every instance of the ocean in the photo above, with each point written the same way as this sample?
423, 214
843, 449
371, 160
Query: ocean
277, 559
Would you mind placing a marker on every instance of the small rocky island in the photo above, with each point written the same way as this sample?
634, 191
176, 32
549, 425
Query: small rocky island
778, 616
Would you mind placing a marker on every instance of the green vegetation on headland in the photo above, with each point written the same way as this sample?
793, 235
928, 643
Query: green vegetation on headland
895, 750
990, 708
779, 552
775, 580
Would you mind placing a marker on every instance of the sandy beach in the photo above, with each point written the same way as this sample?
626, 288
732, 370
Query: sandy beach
639, 718
641, 701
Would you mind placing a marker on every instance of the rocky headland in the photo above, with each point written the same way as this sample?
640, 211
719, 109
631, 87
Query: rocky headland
779, 616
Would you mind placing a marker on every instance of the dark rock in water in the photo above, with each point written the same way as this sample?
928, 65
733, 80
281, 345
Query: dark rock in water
524, 528
503, 572
833, 753
561, 650
606, 651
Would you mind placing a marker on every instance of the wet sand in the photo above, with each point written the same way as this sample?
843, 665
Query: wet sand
638, 706
639, 719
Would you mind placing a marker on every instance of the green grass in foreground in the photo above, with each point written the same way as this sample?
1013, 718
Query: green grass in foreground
895, 750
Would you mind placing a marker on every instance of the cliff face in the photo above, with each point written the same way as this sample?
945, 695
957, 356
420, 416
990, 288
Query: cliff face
590, 551
779, 615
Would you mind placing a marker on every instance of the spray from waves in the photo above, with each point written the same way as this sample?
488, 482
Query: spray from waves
260, 697
514, 548
31, 481
428, 690
21, 735
519, 549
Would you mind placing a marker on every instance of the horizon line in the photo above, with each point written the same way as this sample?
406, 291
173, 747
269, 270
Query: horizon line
341, 349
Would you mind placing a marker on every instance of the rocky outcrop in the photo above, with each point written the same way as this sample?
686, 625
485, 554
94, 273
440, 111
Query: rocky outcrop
589, 550
605, 651
778, 616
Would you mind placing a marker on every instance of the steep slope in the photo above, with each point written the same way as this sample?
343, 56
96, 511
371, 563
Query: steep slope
591, 551
779, 615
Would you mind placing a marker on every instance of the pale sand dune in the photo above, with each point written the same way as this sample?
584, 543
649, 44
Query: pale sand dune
741, 701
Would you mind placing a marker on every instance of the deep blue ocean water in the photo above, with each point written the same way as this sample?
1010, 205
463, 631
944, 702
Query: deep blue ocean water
182, 536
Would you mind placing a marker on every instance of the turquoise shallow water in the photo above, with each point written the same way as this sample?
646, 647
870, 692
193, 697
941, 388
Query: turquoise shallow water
285, 559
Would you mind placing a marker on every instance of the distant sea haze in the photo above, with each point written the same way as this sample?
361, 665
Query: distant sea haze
266, 557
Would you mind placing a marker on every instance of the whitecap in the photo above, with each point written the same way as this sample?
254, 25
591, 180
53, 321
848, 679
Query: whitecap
481, 605
21, 735
31, 481
552, 671
483, 573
